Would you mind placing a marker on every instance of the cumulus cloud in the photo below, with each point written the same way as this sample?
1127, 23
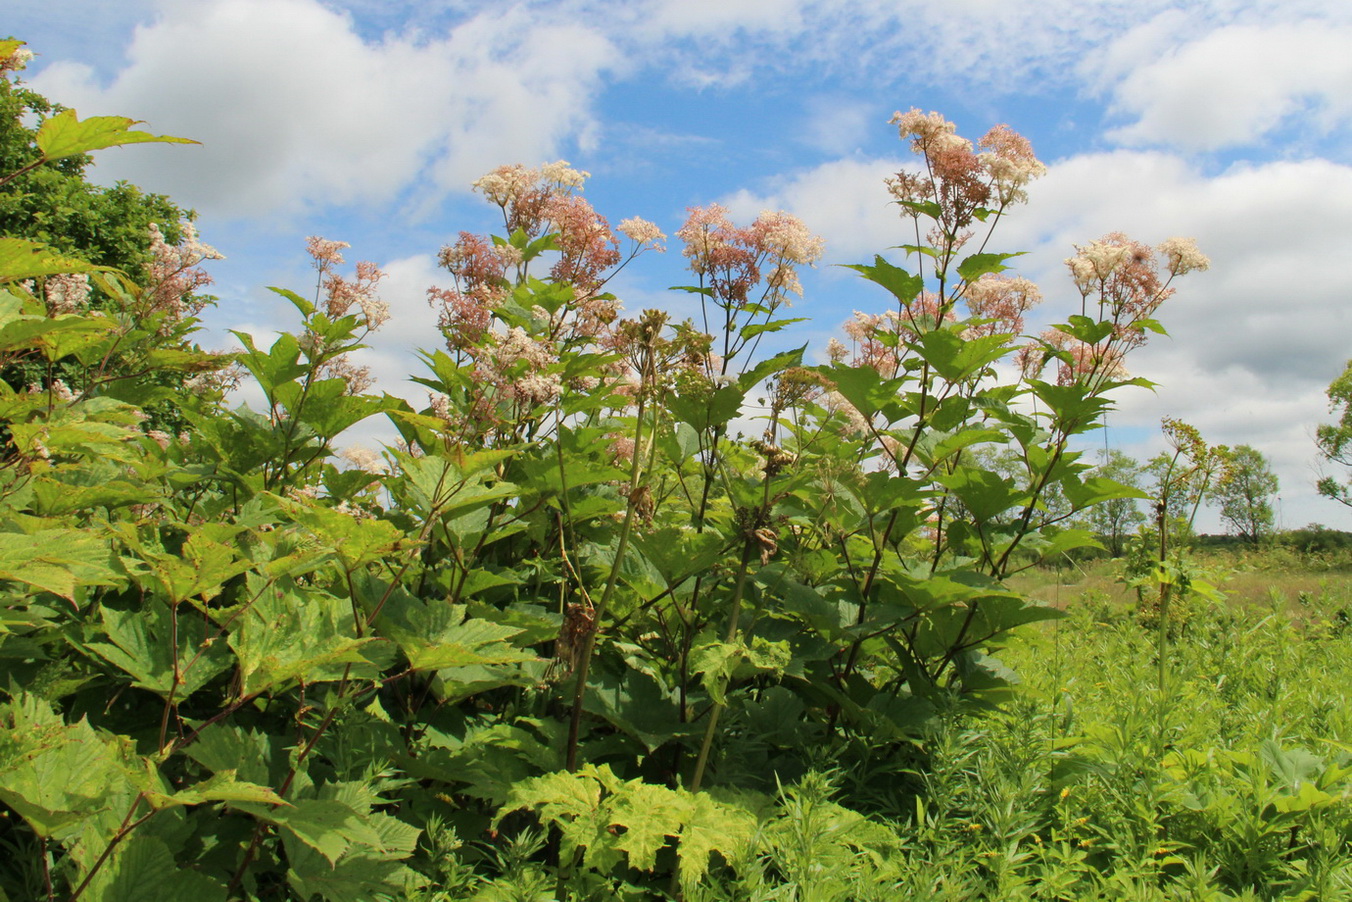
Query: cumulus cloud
1253, 342
1234, 85
297, 111
837, 125
844, 201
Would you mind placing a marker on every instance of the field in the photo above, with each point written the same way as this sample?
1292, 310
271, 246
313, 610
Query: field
575, 635
1091, 783
1088, 782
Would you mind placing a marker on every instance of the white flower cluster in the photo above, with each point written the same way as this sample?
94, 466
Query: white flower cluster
363, 459
17, 60
67, 292
641, 231
1183, 255
506, 184
1096, 262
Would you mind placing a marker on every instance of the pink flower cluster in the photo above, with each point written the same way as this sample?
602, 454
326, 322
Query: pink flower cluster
340, 294
957, 178
173, 271
732, 261
1123, 282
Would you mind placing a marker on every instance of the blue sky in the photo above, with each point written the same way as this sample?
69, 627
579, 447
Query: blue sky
366, 120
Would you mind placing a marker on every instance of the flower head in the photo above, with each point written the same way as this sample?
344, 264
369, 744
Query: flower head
1183, 256
641, 232
18, 58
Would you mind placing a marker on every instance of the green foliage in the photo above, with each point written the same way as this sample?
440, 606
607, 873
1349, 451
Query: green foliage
1245, 495
1335, 439
238, 663
1117, 519
44, 196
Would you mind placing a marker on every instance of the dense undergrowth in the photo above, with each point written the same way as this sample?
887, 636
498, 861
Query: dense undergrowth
574, 636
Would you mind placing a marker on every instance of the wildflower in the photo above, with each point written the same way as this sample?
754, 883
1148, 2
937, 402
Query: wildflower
343, 294
67, 293
363, 459
160, 438
1183, 256
355, 511
1003, 300
641, 231
784, 236
61, 391
855, 422
358, 378
440, 405
538, 388
504, 184
561, 175
922, 128
587, 246
325, 253
1010, 163
173, 271
18, 59
621, 448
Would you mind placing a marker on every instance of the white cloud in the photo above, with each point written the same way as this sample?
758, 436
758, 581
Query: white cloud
838, 125
1234, 85
1253, 342
844, 201
296, 111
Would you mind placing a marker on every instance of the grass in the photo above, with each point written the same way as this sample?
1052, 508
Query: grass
1231, 781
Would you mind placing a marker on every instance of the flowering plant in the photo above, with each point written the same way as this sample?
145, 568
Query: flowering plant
572, 588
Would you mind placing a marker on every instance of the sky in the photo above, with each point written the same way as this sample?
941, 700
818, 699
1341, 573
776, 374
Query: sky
366, 121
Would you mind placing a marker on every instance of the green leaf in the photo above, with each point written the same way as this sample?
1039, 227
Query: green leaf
722, 662
706, 412
770, 366
220, 787
1096, 490
292, 633
977, 265
140, 647
1087, 330
142, 867
903, 286
57, 776
711, 826
751, 330
305, 307
956, 358
56, 560
63, 135
862, 386
328, 826
649, 815
20, 259
985, 494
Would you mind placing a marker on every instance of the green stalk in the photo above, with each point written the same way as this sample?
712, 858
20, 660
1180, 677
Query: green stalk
626, 528
714, 713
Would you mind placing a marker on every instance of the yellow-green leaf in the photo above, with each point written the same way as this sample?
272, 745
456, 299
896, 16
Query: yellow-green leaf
64, 135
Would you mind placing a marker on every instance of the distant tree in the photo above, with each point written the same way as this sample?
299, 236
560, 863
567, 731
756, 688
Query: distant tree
145, 236
1181, 480
1335, 439
1245, 494
1116, 520
57, 205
